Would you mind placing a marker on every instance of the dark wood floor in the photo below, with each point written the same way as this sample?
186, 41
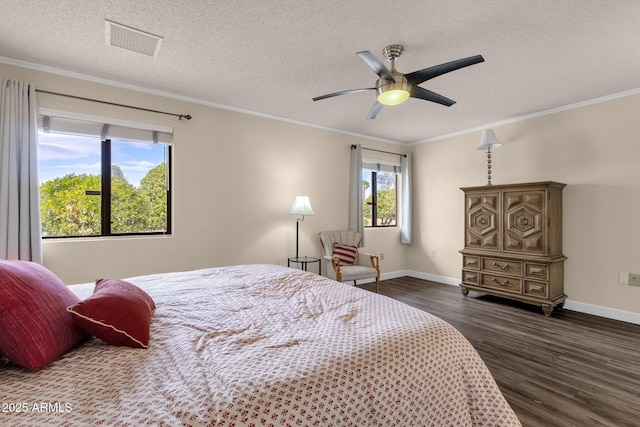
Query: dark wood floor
570, 369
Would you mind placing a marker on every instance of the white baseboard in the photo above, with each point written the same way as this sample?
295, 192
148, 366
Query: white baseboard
454, 281
596, 310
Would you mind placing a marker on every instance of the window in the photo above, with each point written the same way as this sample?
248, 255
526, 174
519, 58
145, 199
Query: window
102, 180
380, 205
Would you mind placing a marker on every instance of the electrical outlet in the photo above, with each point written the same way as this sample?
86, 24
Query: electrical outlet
631, 279
381, 256
433, 252
624, 278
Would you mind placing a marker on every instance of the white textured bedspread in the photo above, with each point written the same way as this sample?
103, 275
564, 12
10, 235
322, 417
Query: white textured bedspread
265, 345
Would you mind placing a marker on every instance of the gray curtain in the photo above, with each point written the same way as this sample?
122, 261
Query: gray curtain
20, 230
356, 220
405, 189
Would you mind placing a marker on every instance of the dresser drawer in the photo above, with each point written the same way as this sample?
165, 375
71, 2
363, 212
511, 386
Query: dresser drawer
502, 266
471, 262
538, 289
471, 277
536, 271
509, 284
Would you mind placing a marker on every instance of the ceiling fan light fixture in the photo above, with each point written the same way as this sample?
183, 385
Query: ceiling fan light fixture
393, 97
393, 93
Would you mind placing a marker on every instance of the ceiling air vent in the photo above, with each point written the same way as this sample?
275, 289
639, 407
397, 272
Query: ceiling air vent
128, 38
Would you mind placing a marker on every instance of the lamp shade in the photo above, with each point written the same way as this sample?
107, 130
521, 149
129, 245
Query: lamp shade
301, 206
488, 140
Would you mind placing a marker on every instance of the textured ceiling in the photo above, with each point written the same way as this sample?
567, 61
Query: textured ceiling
272, 57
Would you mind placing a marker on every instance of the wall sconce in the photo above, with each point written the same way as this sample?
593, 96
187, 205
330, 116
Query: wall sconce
487, 142
301, 206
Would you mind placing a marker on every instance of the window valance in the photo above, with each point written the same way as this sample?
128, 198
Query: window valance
103, 128
380, 165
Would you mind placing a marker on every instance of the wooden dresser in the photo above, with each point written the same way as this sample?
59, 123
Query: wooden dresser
513, 243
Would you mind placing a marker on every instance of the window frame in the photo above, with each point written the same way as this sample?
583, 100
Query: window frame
374, 200
106, 202
105, 195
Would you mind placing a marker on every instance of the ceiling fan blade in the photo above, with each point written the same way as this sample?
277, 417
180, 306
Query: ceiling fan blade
375, 109
420, 76
427, 95
376, 65
344, 92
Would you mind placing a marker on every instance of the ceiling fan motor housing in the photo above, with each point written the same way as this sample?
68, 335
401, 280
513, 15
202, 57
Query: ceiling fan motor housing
399, 83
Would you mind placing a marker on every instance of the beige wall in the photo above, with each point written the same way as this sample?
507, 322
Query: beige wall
594, 149
235, 179
236, 175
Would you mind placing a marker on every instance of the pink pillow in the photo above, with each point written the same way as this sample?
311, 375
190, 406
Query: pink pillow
118, 313
346, 254
35, 327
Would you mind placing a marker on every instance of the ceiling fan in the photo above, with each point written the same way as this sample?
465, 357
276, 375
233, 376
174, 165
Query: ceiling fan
393, 87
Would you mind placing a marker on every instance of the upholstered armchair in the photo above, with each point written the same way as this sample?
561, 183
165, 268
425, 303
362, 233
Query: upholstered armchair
345, 263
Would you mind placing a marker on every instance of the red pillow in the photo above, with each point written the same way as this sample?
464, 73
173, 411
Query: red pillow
35, 327
118, 313
346, 254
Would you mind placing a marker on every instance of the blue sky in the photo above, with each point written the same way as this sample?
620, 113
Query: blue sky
60, 155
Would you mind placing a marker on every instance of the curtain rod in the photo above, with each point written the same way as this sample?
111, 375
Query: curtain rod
353, 147
179, 116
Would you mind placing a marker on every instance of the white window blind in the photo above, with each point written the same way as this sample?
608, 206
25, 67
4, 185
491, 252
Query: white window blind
380, 166
103, 128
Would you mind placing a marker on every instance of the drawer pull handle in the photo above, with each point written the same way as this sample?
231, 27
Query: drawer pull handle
498, 282
501, 267
472, 261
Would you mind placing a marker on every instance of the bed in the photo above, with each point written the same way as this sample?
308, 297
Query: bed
263, 345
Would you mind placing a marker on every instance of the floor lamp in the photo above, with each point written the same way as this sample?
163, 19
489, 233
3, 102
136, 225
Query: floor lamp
301, 206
